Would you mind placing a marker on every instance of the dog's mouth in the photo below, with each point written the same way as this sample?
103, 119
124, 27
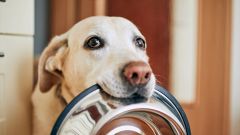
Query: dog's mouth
116, 85
125, 91
116, 101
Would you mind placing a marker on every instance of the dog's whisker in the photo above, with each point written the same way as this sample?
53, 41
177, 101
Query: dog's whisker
158, 81
161, 76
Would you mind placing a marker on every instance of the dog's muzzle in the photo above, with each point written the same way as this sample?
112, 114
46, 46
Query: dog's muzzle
94, 113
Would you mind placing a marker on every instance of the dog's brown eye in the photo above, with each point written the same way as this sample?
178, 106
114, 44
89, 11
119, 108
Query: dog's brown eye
94, 43
139, 42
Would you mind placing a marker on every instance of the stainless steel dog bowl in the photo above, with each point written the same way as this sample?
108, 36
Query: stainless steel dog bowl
95, 113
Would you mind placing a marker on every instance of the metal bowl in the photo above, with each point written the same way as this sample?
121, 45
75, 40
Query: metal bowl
95, 113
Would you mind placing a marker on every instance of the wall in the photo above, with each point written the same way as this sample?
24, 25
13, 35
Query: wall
41, 25
235, 69
184, 50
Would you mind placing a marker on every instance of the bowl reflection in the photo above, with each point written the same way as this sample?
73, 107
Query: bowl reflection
95, 113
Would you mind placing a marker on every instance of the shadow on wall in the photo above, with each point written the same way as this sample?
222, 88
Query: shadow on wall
41, 29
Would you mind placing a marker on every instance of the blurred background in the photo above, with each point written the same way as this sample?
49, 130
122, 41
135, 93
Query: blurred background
194, 49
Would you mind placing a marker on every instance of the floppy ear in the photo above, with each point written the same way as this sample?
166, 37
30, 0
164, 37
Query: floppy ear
51, 62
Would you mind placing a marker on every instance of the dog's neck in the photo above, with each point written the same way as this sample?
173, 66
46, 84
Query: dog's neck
64, 94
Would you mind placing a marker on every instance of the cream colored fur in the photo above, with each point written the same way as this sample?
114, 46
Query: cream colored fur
65, 61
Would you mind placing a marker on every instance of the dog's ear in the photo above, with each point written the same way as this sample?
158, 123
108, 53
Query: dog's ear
51, 62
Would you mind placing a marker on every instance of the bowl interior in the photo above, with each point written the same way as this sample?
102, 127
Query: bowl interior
137, 123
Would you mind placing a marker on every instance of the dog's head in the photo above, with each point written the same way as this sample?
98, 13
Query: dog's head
109, 51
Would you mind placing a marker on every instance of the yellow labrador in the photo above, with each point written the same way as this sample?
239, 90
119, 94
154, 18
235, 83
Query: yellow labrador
109, 51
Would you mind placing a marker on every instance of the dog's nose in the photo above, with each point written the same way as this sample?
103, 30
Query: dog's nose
137, 73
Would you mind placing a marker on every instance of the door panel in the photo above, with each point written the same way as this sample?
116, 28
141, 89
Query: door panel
153, 19
209, 114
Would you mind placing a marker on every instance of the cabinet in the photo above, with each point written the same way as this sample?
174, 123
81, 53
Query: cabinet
15, 85
16, 17
16, 66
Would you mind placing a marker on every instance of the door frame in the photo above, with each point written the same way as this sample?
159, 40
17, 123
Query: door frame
65, 13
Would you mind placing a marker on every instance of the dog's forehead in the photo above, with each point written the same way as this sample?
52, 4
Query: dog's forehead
105, 26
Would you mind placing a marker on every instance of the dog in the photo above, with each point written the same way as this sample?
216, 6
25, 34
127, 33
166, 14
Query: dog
110, 51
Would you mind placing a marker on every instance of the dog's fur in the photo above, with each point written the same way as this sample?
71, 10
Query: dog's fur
67, 65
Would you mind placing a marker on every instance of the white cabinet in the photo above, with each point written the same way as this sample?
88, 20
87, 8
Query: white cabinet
16, 66
15, 85
16, 17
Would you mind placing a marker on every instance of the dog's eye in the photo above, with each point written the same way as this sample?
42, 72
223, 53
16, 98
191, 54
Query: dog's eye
139, 42
94, 43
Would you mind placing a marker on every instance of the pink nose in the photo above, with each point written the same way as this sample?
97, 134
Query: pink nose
137, 73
